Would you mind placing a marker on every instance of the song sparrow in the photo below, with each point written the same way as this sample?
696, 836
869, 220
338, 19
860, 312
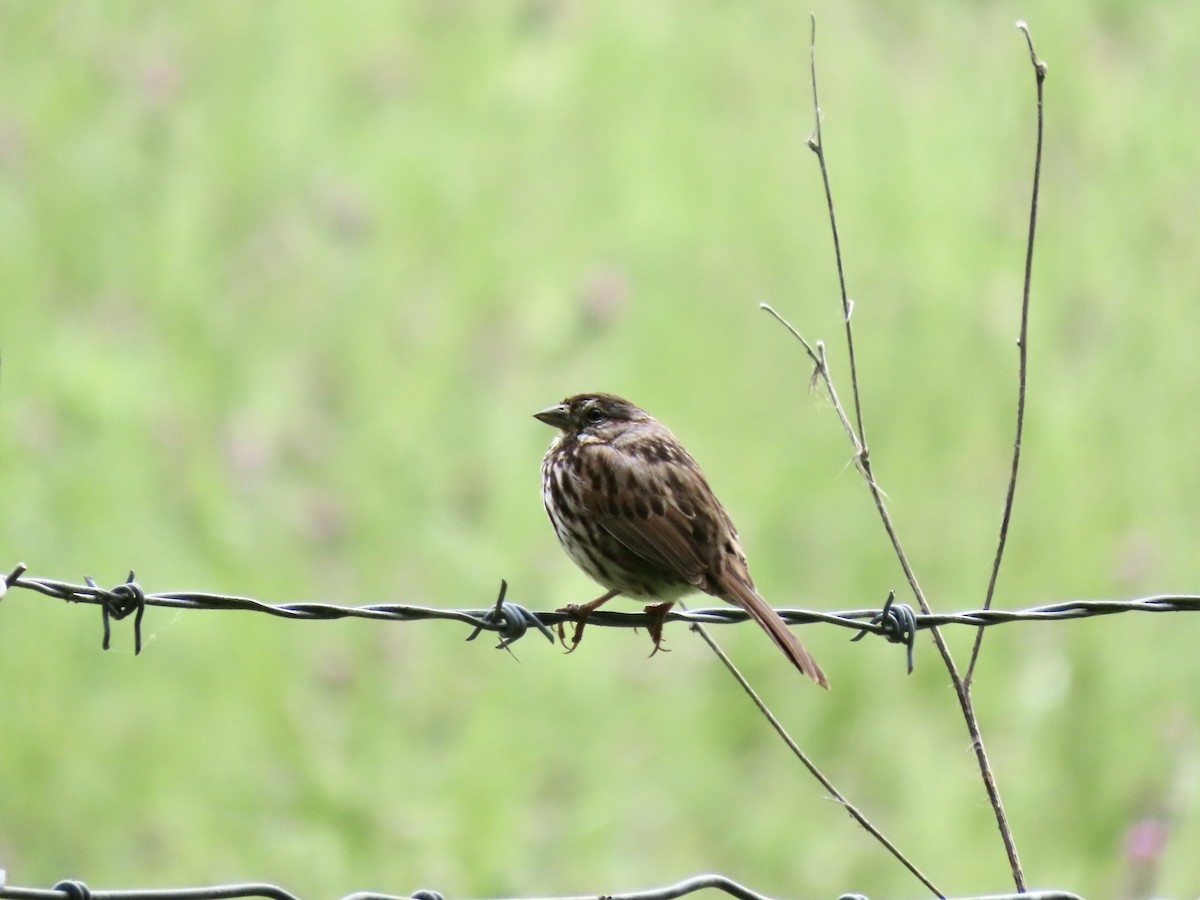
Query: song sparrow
633, 510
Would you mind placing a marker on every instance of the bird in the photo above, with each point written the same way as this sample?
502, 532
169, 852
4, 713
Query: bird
634, 511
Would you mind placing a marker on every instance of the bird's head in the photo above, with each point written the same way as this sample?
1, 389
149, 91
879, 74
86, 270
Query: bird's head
599, 417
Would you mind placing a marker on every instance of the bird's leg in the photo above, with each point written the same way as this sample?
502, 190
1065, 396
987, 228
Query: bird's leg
658, 618
580, 612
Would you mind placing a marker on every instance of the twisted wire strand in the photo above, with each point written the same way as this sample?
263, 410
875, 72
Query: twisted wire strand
511, 621
77, 890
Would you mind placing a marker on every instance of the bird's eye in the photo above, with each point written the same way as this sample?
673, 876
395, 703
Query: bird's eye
593, 415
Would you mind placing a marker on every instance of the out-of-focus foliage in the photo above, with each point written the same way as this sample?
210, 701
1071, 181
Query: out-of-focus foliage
282, 282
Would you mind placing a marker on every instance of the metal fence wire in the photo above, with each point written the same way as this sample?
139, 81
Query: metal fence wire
77, 890
895, 622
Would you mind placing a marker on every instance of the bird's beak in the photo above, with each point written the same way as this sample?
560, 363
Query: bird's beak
556, 415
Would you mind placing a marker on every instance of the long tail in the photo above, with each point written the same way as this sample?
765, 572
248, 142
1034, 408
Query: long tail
748, 599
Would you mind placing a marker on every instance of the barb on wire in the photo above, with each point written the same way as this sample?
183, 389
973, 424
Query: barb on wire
118, 603
899, 624
77, 890
511, 621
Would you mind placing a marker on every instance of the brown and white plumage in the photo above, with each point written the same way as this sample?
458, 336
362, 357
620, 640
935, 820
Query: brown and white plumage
634, 511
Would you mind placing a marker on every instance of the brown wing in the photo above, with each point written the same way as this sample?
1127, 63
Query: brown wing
668, 516
661, 512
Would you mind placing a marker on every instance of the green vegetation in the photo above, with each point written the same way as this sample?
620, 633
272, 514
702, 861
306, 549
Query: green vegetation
283, 282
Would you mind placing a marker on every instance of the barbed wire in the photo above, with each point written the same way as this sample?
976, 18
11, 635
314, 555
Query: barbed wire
896, 622
77, 890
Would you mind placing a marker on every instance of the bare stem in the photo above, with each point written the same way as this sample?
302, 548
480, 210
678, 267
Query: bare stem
855, 813
814, 144
1039, 69
864, 464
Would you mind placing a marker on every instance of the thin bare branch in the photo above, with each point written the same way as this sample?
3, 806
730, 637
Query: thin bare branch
817, 146
855, 813
1039, 69
821, 373
864, 461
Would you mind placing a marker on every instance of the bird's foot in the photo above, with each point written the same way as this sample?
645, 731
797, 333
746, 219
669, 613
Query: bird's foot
580, 612
658, 618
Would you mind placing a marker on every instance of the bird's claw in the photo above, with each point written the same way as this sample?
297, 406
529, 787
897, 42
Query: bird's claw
658, 618
580, 613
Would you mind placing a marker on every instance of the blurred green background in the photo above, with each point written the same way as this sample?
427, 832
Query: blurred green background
283, 282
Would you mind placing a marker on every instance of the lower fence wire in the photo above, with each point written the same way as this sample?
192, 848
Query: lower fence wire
77, 890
